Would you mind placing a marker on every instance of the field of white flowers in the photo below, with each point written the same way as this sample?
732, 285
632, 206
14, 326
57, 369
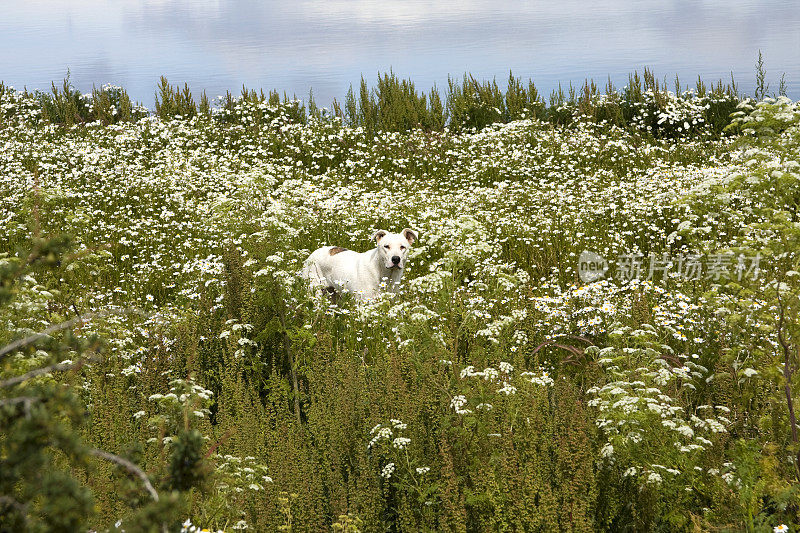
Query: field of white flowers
497, 392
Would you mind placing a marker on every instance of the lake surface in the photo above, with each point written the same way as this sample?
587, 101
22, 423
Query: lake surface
218, 45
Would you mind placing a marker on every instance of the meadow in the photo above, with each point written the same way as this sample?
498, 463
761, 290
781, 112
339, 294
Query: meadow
188, 379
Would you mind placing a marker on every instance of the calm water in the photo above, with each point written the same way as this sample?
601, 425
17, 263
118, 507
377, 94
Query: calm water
294, 45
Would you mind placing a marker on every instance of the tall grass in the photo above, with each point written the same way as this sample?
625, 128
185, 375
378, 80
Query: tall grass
107, 105
468, 104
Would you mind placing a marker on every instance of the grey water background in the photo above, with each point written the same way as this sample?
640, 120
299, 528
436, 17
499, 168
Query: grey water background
292, 46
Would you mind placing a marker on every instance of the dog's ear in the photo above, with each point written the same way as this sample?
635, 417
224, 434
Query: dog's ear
410, 235
380, 234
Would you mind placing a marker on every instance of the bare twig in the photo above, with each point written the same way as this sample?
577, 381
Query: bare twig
27, 400
575, 352
787, 375
36, 336
60, 367
217, 444
571, 349
129, 466
787, 366
578, 337
20, 343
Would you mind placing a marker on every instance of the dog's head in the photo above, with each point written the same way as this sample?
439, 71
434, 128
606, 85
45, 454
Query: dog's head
393, 247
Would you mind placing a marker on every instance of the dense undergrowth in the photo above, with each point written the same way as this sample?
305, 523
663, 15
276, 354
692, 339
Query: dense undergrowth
497, 392
396, 105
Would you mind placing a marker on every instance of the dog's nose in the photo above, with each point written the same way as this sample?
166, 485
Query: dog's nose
396, 259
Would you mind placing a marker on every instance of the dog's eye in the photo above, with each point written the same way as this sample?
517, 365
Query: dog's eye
386, 246
402, 247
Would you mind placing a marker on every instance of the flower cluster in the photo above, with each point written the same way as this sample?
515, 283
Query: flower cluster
185, 403
239, 474
641, 404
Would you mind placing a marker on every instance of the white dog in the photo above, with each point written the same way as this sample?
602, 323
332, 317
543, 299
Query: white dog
337, 269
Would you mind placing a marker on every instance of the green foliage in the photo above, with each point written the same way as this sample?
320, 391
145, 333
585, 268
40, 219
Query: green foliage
472, 105
768, 118
348, 523
396, 105
44, 457
38, 493
185, 458
175, 102
494, 392
67, 106
111, 104
39, 442
761, 79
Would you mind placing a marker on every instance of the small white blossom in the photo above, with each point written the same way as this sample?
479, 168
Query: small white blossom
749, 372
607, 450
508, 389
653, 478
458, 403
387, 471
401, 442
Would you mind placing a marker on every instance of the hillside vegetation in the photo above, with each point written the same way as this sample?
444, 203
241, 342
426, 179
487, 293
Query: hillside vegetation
497, 392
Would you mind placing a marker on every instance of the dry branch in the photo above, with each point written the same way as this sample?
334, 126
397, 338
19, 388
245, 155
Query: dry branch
129, 466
